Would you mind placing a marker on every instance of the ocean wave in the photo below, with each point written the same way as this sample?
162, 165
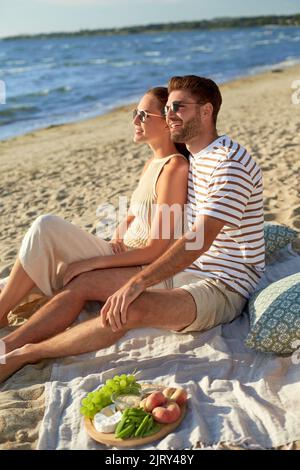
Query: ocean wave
97, 61
78, 63
159, 39
204, 49
42, 92
48, 59
235, 47
29, 68
16, 110
152, 53
266, 42
15, 62
124, 63
62, 89
289, 62
162, 61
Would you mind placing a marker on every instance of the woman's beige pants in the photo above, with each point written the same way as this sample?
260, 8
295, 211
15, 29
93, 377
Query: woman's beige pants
50, 245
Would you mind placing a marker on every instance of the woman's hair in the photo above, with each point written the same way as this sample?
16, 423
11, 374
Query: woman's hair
161, 94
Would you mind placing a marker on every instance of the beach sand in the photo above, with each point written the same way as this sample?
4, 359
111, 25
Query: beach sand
70, 170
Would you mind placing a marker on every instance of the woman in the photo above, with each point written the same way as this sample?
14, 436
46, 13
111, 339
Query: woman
54, 251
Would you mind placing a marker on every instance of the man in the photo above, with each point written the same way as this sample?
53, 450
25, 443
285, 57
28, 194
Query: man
213, 268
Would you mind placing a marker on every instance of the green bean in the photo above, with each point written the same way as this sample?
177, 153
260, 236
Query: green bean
149, 426
142, 426
126, 432
122, 423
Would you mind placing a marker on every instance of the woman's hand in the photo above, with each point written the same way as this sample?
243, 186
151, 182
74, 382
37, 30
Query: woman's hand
74, 269
114, 311
117, 246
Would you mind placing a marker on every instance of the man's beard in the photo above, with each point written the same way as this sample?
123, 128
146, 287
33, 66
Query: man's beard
190, 130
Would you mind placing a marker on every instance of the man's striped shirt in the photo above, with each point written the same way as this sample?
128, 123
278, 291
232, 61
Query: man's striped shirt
225, 182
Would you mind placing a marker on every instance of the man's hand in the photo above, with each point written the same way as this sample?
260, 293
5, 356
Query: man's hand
114, 311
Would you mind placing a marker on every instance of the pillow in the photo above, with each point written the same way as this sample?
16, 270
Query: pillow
275, 317
277, 237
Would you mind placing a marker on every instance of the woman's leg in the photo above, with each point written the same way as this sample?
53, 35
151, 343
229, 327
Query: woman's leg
18, 286
48, 247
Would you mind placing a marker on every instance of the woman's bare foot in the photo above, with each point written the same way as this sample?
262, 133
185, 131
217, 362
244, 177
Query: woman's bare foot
15, 360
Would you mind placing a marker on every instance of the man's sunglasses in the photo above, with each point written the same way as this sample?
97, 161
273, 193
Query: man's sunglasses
142, 115
175, 106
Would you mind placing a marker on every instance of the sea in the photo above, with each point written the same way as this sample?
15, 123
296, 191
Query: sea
50, 81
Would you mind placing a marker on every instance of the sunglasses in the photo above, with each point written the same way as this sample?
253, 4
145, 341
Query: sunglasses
142, 115
175, 107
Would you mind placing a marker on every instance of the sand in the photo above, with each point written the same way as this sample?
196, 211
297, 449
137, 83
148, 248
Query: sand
70, 170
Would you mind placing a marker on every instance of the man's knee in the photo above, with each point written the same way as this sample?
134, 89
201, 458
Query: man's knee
136, 318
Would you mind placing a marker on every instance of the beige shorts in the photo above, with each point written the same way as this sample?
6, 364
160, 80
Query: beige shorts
215, 302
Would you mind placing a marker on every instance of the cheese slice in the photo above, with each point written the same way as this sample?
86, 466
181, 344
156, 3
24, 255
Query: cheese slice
107, 424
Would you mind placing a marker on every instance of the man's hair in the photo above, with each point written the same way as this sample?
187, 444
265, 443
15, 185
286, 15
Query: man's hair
203, 89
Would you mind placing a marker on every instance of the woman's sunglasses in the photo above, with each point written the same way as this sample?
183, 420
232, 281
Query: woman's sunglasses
142, 115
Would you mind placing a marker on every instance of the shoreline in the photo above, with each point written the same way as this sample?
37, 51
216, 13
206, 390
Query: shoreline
275, 68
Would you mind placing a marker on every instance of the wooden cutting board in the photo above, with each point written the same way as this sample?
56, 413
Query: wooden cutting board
111, 440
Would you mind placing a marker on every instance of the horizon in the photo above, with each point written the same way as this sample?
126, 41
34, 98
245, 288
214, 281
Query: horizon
220, 18
37, 17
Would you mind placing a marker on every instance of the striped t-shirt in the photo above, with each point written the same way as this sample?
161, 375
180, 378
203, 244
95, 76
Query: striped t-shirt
225, 182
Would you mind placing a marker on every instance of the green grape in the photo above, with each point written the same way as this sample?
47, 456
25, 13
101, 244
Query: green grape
123, 384
97, 399
106, 394
93, 402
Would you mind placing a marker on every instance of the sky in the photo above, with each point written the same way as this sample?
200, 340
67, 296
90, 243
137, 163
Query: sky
42, 16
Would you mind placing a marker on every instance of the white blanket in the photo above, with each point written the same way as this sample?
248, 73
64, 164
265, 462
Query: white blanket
236, 396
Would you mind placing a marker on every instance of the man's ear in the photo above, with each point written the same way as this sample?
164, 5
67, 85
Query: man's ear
207, 110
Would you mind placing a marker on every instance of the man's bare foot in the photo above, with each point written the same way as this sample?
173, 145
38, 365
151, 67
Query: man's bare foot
15, 360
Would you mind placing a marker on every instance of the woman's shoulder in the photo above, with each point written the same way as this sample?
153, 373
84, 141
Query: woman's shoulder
177, 161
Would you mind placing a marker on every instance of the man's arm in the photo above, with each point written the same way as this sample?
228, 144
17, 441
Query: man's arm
178, 257
182, 253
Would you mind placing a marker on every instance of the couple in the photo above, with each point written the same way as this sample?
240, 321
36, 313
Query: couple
143, 279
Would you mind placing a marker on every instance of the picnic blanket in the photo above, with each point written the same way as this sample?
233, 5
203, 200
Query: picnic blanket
236, 395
